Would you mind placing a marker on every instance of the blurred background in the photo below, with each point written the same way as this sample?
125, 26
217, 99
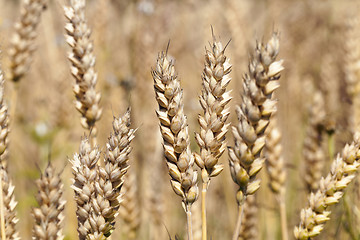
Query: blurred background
128, 35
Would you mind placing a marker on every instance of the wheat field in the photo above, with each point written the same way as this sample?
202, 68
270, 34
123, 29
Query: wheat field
165, 119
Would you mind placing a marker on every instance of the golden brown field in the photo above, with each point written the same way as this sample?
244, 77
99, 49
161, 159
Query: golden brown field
290, 115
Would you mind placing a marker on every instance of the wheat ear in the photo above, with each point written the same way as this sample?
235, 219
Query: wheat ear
8, 218
275, 166
23, 40
82, 65
90, 205
331, 189
116, 165
4, 124
313, 152
49, 215
253, 115
174, 130
213, 129
129, 210
8, 200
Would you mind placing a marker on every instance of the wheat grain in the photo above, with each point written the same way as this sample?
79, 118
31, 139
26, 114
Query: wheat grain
82, 65
331, 190
49, 215
23, 40
174, 129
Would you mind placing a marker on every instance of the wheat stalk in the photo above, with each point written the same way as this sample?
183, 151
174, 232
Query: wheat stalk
275, 166
82, 65
314, 156
253, 115
331, 189
213, 129
49, 215
174, 129
22, 43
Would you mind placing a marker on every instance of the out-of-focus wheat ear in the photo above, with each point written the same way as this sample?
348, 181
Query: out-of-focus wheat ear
82, 68
254, 113
22, 43
174, 130
4, 124
213, 127
129, 210
275, 166
116, 165
49, 215
313, 151
331, 189
249, 230
91, 224
8, 201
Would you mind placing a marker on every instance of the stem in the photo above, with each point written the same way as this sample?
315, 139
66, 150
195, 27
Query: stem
238, 223
283, 220
2, 217
189, 223
203, 211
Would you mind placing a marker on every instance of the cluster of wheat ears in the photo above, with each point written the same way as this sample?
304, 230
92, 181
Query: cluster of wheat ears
101, 183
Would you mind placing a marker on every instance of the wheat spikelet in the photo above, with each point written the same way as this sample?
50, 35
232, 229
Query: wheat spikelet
49, 215
90, 205
331, 190
116, 165
174, 129
249, 230
22, 42
130, 211
314, 156
9, 206
82, 65
253, 115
